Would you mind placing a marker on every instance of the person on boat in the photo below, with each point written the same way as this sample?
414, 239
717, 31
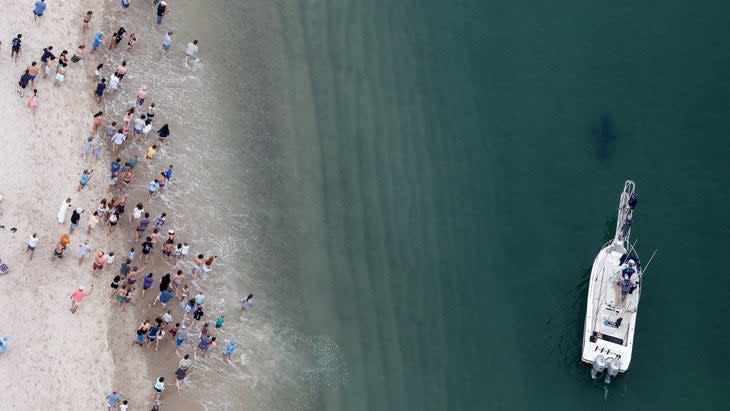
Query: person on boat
628, 269
627, 225
633, 200
626, 257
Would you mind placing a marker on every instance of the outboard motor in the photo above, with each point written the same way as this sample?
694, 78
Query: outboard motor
599, 365
613, 365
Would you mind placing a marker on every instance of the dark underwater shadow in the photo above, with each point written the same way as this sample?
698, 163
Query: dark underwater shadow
604, 138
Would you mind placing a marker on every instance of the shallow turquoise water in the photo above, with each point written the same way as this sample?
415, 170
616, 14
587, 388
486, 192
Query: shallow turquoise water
448, 193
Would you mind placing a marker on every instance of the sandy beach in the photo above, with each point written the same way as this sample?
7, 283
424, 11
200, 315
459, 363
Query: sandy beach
56, 360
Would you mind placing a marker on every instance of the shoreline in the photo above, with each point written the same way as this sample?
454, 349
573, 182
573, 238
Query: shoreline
94, 345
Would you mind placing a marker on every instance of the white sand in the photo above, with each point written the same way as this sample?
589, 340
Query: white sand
56, 360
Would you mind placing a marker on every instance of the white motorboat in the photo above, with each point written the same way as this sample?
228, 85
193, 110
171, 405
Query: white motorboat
613, 297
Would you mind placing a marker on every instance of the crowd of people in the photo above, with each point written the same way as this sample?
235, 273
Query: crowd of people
150, 240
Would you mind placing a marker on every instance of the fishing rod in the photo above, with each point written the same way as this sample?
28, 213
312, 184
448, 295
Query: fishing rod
647, 264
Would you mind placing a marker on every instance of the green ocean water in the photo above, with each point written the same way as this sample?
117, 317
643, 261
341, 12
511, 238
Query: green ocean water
449, 187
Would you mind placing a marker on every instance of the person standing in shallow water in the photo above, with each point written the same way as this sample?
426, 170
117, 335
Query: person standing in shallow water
191, 52
246, 304
162, 11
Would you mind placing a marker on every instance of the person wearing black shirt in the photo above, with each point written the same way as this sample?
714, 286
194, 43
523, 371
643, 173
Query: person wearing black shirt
15, 47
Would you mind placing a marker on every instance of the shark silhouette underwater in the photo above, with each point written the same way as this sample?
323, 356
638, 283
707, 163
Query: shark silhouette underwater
604, 137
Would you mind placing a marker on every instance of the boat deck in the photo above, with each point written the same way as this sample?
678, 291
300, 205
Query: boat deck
614, 314
611, 318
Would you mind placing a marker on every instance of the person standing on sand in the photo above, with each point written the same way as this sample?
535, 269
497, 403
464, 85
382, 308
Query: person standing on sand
88, 146
87, 19
93, 221
118, 140
32, 244
59, 249
98, 39
75, 217
15, 47
158, 388
99, 263
60, 74
45, 57
79, 296
100, 87
85, 176
110, 257
97, 122
112, 400
114, 286
23, 82
83, 250
33, 71
33, 101
63, 210
39, 9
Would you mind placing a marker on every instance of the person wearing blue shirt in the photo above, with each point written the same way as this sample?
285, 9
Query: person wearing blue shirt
112, 399
97, 40
168, 173
164, 297
40, 7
